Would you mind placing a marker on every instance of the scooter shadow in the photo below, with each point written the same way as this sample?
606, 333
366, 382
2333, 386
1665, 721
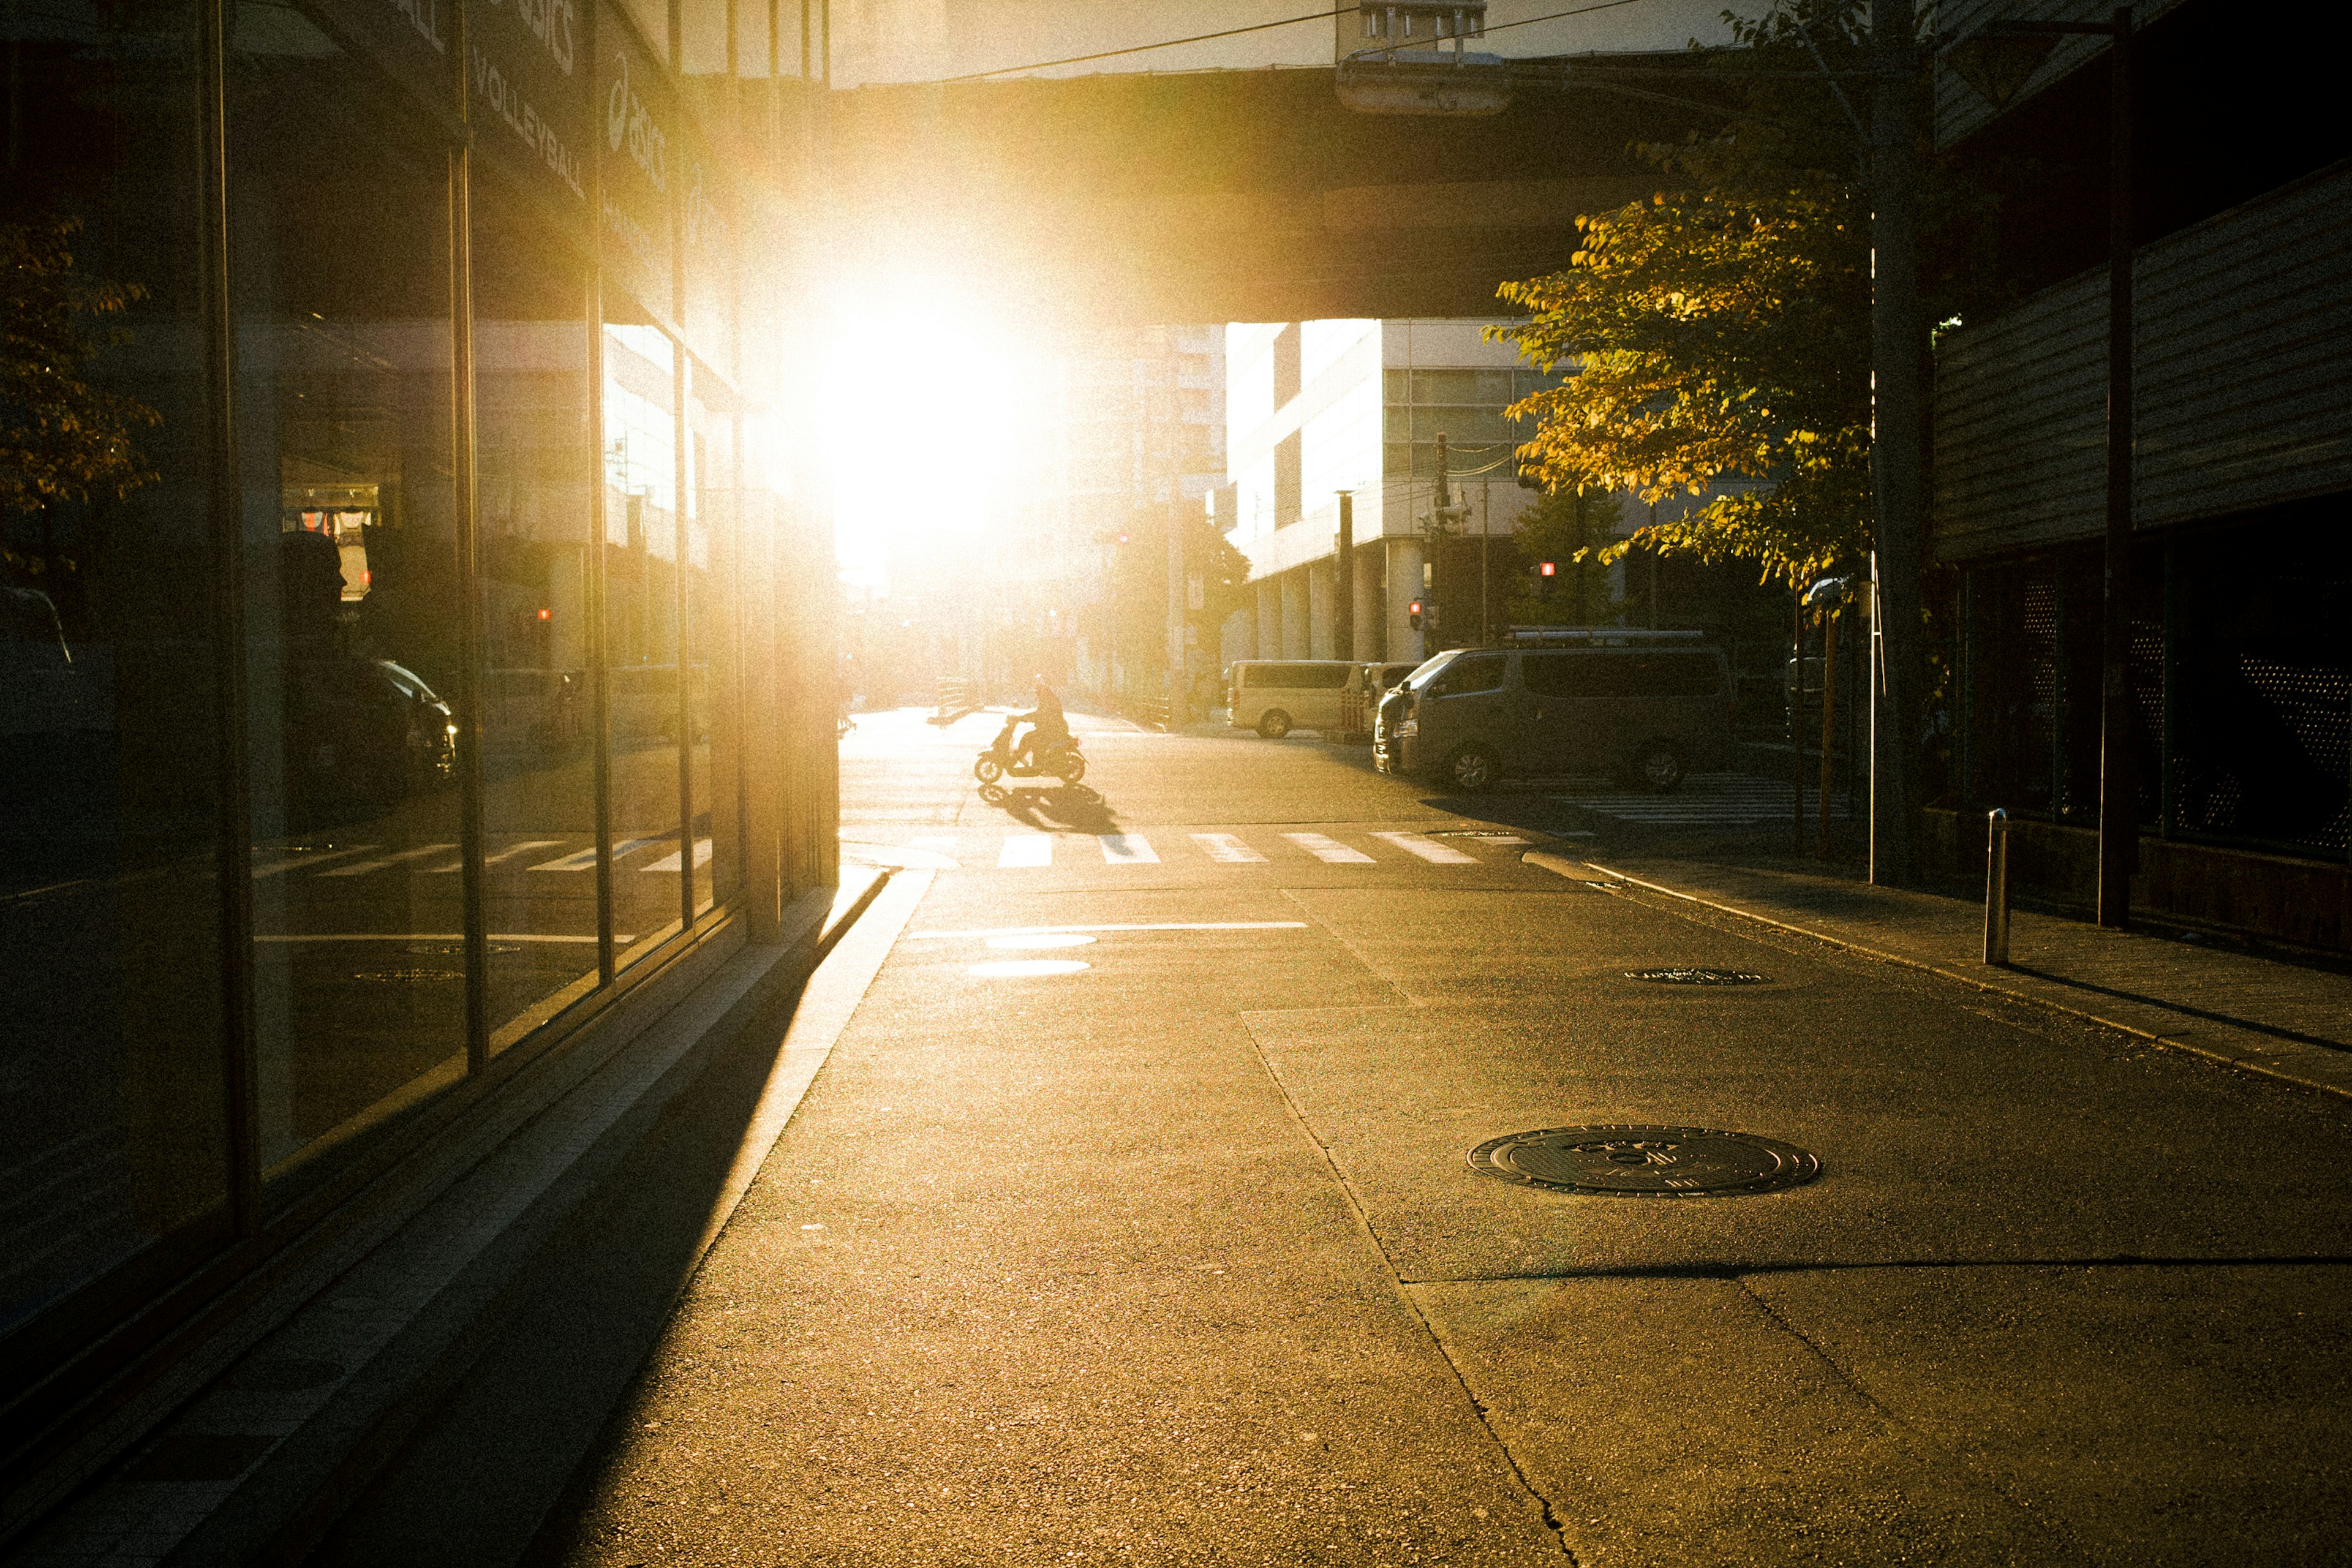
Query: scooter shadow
1053, 808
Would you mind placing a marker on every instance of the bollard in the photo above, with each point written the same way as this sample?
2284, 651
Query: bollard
1996, 943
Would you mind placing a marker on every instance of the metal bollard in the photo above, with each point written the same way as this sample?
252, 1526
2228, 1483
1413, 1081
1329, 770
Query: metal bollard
1996, 943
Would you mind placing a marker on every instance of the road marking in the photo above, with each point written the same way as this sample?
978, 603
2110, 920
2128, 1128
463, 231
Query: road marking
1328, 850
586, 860
1429, 849
1127, 848
507, 853
364, 867
420, 936
1026, 849
1229, 849
670, 861
1022, 968
274, 867
1168, 925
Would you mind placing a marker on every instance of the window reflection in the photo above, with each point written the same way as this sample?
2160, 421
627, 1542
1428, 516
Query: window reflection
643, 538
112, 1037
533, 468
340, 272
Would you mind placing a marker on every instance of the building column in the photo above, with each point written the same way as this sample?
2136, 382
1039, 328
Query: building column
1371, 623
1268, 644
1322, 610
1404, 587
1294, 613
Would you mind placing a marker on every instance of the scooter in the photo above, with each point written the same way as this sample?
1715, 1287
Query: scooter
1063, 762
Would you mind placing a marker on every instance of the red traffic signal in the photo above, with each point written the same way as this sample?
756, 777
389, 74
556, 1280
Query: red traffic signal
1545, 568
1413, 614
546, 615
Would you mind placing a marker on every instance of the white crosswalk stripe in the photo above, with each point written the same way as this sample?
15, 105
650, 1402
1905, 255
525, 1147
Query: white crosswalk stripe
1127, 848
363, 868
670, 862
586, 859
1429, 849
1330, 851
1228, 848
1026, 849
1717, 799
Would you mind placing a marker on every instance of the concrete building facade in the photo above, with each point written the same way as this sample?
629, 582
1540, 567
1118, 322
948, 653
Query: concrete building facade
1314, 409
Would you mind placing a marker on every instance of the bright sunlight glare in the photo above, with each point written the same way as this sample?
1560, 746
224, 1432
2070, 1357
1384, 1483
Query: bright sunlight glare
928, 417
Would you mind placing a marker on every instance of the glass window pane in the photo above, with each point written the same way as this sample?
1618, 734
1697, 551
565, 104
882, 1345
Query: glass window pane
714, 781
532, 469
109, 704
643, 540
339, 262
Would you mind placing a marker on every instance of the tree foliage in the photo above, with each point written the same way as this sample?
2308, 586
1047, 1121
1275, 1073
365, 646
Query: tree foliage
1570, 527
61, 437
1718, 330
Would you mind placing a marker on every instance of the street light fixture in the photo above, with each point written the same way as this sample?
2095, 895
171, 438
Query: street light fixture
1996, 60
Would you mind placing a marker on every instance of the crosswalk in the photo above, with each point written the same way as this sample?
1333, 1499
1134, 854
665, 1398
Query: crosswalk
1708, 800
577, 859
1024, 850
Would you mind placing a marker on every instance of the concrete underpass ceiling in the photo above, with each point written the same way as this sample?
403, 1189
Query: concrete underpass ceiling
1223, 196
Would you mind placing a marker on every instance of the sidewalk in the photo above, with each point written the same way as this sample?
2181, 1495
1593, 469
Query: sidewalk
2283, 1019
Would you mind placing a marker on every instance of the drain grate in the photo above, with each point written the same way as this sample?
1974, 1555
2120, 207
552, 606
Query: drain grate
398, 976
457, 949
1699, 976
1634, 1161
1474, 833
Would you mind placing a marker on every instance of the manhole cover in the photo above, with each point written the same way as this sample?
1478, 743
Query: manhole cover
1645, 1162
1698, 976
409, 976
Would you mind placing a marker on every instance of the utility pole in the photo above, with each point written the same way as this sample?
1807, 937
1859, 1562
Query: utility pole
1178, 683
1485, 519
1442, 511
1343, 559
1898, 353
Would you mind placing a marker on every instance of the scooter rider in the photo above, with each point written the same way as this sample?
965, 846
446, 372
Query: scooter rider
1046, 726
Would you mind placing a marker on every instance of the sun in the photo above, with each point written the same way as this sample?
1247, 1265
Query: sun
927, 416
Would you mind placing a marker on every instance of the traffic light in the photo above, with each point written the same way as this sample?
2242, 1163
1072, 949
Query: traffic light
1413, 614
1545, 568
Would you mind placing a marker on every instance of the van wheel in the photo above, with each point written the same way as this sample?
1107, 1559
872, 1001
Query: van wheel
1471, 770
1273, 723
1659, 767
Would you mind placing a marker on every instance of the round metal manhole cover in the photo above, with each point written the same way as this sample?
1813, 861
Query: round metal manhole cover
1632, 1161
1685, 976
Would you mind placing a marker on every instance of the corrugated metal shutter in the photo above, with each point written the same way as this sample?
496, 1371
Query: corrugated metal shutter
2242, 332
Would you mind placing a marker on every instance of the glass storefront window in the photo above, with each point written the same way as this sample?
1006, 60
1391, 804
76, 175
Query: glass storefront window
533, 465
644, 542
339, 256
713, 507
115, 1041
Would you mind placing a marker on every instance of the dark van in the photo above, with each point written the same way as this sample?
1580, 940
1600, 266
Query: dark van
1648, 709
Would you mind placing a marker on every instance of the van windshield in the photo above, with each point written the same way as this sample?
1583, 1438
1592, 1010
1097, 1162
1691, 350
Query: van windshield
1427, 671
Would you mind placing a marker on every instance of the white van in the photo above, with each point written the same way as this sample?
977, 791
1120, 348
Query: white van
1276, 696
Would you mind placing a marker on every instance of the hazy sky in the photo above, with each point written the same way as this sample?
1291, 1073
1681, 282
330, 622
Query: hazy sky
919, 40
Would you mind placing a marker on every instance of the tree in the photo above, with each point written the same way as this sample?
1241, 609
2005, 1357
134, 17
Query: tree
1718, 330
1570, 527
62, 440
1141, 586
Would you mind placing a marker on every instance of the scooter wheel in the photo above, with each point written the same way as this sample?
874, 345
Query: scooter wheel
1074, 768
987, 770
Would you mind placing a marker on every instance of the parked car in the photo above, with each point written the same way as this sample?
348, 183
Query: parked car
1276, 696
1648, 708
1380, 679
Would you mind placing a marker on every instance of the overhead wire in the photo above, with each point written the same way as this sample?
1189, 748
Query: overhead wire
1236, 32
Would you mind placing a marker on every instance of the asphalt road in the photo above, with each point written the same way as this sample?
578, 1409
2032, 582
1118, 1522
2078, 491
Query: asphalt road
1163, 1246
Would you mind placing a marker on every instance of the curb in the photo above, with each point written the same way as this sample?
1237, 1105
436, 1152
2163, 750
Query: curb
2224, 1058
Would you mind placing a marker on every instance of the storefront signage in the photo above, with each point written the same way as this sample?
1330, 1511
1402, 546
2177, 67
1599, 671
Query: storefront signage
415, 40
709, 214
528, 80
635, 122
